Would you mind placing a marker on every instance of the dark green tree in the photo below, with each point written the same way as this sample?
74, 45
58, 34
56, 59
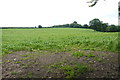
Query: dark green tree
112, 28
75, 22
85, 26
39, 26
104, 26
95, 24
75, 25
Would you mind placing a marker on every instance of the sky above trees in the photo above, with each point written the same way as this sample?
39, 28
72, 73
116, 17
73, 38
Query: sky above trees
30, 13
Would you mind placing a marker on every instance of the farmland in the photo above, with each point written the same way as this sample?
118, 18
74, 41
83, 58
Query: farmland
46, 42
58, 39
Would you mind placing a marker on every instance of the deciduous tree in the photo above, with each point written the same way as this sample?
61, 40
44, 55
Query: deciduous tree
95, 24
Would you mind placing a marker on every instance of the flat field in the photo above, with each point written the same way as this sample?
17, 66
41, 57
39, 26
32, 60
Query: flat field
58, 39
59, 53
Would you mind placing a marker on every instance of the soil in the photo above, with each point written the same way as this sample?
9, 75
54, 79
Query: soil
26, 64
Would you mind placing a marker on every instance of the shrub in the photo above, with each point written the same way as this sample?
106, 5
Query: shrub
112, 28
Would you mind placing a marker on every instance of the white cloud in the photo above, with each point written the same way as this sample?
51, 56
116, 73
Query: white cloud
52, 12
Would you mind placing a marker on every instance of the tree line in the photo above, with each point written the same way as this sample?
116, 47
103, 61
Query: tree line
98, 25
94, 24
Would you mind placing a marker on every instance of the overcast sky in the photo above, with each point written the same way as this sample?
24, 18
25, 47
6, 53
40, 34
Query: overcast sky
30, 13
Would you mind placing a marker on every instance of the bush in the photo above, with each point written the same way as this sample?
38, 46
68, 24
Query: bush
112, 28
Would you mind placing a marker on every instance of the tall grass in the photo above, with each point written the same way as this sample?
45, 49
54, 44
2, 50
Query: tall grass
58, 39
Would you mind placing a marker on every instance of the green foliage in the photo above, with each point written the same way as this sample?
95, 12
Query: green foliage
99, 59
81, 54
58, 39
90, 55
98, 25
75, 22
95, 24
39, 26
112, 28
71, 71
78, 54
81, 68
13, 73
103, 27
85, 26
72, 25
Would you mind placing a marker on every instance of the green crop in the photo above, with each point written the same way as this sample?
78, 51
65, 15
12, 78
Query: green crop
58, 39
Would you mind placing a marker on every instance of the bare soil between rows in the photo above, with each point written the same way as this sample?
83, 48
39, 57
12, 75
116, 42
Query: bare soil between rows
26, 64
